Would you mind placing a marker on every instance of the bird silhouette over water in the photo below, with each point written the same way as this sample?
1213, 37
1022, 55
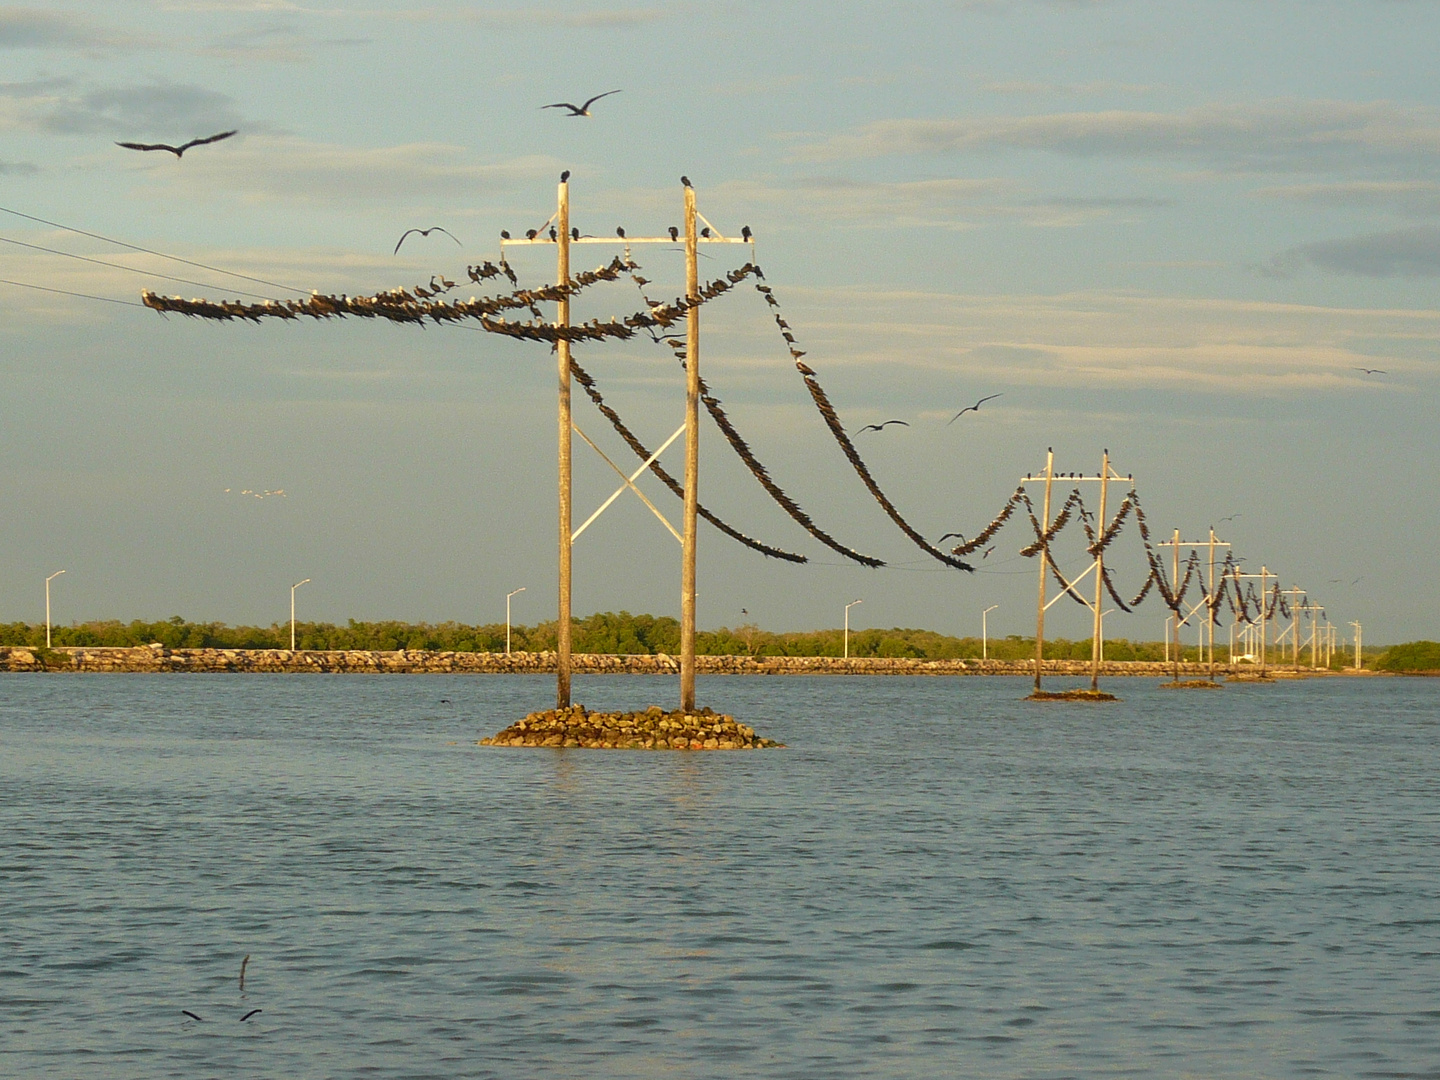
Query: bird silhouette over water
422, 232
882, 427
971, 408
579, 110
1372, 371
178, 151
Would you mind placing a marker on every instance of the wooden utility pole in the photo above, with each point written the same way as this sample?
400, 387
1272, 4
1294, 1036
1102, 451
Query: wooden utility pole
1211, 544
1044, 558
692, 458
1356, 625
1097, 652
1295, 592
1264, 575
562, 318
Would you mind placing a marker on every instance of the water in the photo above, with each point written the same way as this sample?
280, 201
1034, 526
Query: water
934, 880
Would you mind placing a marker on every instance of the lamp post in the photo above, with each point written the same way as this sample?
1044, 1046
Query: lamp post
507, 617
292, 610
49, 579
985, 632
847, 625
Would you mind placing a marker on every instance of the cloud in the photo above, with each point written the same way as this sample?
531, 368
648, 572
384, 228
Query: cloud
1402, 253
1107, 339
59, 107
531, 17
18, 168
29, 28
1407, 198
265, 166
952, 202
1275, 136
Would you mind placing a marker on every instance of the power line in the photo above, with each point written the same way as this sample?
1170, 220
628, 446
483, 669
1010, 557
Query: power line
160, 254
67, 292
119, 266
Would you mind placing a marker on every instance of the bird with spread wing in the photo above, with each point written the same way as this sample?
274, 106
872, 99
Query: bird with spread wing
178, 151
580, 110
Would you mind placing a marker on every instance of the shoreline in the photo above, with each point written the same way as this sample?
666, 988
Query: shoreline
152, 659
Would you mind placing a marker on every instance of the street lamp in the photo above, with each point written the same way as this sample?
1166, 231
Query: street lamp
985, 632
49, 579
507, 617
847, 625
292, 610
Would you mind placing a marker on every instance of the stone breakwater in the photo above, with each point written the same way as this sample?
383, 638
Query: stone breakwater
415, 662
653, 729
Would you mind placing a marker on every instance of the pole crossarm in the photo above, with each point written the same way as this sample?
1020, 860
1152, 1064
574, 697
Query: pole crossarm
629, 482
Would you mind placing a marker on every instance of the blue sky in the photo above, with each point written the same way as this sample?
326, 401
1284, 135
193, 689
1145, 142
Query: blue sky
1175, 230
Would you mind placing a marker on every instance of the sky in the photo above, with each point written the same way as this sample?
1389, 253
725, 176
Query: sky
1176, 231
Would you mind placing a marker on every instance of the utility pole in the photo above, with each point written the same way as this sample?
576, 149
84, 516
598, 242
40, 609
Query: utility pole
1097, 652
692, 458
563, 454
1359, 665
49, 579
1295, 592
1264, 575
1209, 602
688, 532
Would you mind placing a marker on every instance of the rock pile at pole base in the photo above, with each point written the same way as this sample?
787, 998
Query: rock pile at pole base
653, 729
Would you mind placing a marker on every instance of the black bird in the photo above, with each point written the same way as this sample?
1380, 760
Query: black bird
583, 110
882, 427
422, 232
745, 232
620, 232
530, 234
553, 234
971, 408
744, 611
504, 235
987, 552
805, 369
1232, 517
674, 233
705, 233
574, 234
564, 176
251, 1013
685, 180
1366, 370
192, 1016
958, 536
178, 151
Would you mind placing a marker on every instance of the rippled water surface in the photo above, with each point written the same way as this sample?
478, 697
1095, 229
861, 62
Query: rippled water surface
935, 879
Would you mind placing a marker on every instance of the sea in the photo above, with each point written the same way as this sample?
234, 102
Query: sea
935, 878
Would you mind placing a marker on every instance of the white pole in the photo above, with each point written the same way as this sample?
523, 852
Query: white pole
984, 633
1107, 611
49, 579
1357, 645
292, 611
507, 617
847, 625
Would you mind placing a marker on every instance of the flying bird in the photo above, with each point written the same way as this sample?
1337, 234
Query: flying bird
582, 110
972, 408
1232, 517
422, 232
958, 536
987, 552
882, 427
1366, 370
251, 1013
178, 151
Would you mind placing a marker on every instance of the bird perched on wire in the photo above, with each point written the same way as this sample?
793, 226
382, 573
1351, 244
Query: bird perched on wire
178, 151
882, 427
971, 408
574, 234
553, 234
422, 232
579, 110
